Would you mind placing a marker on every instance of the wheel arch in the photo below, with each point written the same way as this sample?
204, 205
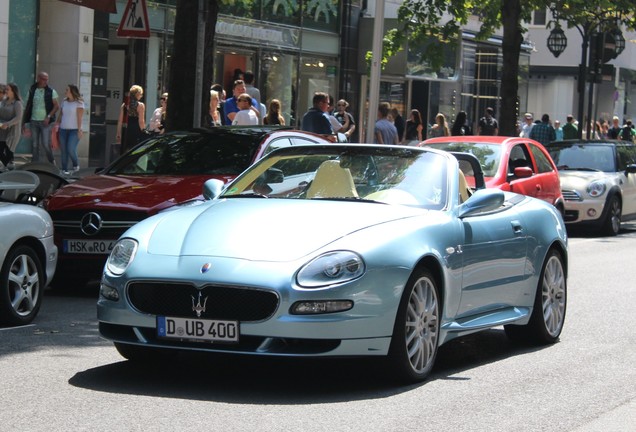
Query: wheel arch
431, 264
34, 244
562, 249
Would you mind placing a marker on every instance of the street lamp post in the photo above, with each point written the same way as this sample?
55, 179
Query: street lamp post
557, 42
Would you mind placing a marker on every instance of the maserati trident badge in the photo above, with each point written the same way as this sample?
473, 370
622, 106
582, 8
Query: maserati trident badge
198, 308
205, 267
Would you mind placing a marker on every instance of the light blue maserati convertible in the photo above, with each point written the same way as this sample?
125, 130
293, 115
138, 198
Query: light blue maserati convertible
339, 250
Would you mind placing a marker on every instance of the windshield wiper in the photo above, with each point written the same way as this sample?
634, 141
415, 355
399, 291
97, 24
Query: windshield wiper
567, 168
245, 195
357, 199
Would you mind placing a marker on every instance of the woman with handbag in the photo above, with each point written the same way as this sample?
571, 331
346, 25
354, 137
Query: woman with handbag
10, 123
70, 127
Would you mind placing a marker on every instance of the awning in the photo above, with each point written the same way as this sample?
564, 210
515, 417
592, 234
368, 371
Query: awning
109, 6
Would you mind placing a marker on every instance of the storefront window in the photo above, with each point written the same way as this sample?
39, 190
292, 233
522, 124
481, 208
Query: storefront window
420, 68
316, 74
321, 14
278, 75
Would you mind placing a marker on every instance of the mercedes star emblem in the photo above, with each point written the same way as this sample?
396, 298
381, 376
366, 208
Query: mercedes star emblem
91, 223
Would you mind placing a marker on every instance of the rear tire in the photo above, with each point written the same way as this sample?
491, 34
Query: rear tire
22, 284
548, 314
416, 331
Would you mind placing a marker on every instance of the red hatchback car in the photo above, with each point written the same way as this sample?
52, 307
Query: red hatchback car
90, 214
514, 164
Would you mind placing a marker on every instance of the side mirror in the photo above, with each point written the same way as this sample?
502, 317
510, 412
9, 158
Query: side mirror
523, 172
212, 188
273, 175
631, 169
482, 201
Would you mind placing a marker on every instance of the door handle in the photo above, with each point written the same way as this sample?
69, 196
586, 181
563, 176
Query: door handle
517, 228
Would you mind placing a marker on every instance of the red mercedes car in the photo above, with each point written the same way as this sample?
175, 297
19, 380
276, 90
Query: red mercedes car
514, 164
90, 214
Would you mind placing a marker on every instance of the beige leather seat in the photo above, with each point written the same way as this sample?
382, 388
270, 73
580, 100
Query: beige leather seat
464, 191
332, 181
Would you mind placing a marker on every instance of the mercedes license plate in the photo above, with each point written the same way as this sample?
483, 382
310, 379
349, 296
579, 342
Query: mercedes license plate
197, 329
100, 247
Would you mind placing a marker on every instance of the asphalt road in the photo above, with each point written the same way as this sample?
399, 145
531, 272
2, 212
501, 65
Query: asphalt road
59, 375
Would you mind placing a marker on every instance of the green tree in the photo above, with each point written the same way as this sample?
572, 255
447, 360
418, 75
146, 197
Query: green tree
433, 23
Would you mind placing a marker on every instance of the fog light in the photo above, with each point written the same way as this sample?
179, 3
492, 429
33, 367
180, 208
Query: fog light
591, 212
108, 292
320, 307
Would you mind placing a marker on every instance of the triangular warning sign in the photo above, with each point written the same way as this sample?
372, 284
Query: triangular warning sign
134, 21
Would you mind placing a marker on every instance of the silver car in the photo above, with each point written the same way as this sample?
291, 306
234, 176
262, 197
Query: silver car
598, 182
28, 257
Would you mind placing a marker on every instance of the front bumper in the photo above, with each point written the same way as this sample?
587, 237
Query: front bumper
364, 330
584, 210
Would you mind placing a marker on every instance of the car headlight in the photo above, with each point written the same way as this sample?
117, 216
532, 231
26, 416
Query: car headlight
596, 188
121, 256
331, 268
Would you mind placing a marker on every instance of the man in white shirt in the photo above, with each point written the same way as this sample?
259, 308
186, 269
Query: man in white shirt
527, 126
246, 116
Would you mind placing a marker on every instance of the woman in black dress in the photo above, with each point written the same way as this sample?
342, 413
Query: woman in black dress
135, 113
460, 126
414, 128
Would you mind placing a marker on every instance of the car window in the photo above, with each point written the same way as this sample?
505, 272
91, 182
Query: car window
487, 154
189, 154
277, 143
387, 175
582, 156
543, 163
626, 156
519, 157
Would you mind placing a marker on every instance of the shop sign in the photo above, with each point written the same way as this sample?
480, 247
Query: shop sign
256, 31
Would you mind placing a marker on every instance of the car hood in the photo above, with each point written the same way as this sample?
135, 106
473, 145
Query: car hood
139, 193
577, 180
263, 229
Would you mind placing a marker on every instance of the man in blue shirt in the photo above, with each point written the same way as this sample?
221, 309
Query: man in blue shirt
315, 119
230, 108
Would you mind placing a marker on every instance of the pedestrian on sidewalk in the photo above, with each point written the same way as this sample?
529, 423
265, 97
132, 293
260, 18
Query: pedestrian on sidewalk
39, 115
135, 114
10, 123
70, 124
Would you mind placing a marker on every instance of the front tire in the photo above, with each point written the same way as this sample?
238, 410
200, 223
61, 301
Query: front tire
612, 222
22, 283
548, 314
416, 331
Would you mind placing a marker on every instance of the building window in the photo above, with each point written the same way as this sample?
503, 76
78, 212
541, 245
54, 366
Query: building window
539, 17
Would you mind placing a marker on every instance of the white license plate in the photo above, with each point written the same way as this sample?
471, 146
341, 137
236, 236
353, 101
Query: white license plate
98, 247
198, 329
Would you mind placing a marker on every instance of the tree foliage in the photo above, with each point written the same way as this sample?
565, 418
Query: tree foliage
431, 23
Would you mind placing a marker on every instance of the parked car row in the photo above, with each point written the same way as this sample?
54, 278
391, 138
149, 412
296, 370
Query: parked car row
591, 182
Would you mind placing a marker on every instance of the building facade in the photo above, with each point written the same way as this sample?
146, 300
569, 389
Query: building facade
554, 81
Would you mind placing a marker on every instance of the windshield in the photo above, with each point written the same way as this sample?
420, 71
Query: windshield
189, 154
583, 157
487, 154
389, 175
